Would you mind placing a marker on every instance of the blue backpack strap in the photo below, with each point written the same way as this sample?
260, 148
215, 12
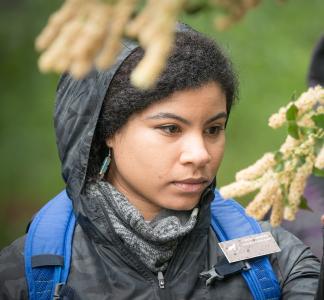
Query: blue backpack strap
229, 221
48, 247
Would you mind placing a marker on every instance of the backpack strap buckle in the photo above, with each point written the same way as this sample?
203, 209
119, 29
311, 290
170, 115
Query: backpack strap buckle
211, 275
223, 270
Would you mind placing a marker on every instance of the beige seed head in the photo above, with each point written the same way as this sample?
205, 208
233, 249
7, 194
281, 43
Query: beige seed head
278, 119
150, 67
289, 145
263, 200
306, 121
306, 147
112, 42
93, 30
57, 56
68, 10
289, 213
79, 69
257, 169
258, 210
239, 188
63, 58
277, 209
298, 184
108, 53
307, 101
159, 28
46, 62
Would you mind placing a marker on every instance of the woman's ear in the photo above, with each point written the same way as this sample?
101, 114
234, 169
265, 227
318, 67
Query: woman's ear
110, 142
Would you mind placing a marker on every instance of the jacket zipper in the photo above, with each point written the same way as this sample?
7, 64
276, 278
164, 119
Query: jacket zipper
161, 280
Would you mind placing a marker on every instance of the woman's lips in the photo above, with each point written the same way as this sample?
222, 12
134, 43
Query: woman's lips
191, 187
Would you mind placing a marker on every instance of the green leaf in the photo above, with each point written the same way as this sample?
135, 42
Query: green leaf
301, 161
304, 204
278, 156
319, 120
318, 172
279, 167
291, 113
293, 129
318, 145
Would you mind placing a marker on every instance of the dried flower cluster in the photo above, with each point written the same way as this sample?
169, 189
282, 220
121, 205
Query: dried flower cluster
87, 33
281, 176
235, 11
84, 34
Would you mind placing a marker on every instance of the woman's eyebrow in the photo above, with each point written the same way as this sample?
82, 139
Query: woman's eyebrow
216, 117
165, 115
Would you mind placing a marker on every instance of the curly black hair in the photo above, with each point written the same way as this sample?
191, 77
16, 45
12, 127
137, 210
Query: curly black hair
194, 61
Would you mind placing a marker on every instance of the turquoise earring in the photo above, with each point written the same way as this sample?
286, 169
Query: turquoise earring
105, 165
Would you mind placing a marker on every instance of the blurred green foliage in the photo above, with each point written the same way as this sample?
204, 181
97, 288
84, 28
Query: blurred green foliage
270, 48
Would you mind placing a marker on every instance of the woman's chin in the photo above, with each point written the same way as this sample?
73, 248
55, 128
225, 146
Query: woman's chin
182, 204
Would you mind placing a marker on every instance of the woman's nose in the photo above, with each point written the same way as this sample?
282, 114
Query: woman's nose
194, 151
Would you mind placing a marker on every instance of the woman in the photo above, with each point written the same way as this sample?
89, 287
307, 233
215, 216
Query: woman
140, 170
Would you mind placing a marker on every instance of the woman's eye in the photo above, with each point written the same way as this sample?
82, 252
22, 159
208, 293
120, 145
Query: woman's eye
214, 130
170, 129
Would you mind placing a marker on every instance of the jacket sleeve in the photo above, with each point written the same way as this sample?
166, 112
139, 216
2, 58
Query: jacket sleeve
296, 267
12, 272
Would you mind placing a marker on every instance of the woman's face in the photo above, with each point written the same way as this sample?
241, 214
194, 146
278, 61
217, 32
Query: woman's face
166, 155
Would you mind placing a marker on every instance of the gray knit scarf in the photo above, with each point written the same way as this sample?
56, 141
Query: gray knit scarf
153, 242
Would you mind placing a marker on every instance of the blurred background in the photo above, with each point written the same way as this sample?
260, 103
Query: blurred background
270, 48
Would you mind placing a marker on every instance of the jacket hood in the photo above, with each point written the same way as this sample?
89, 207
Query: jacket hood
78, 104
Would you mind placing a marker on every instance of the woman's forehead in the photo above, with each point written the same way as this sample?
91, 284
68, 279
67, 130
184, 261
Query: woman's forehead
209, 97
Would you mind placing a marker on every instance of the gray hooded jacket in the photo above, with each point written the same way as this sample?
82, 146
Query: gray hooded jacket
102, 267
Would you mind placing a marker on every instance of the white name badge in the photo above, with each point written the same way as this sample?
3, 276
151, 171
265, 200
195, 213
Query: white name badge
249, 246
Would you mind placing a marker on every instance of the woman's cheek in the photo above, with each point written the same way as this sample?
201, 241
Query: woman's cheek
217, 155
